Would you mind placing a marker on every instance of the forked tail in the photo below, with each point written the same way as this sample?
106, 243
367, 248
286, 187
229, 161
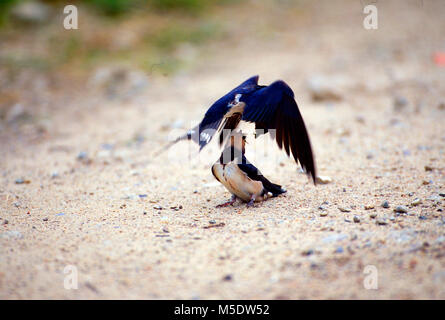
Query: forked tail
187, 136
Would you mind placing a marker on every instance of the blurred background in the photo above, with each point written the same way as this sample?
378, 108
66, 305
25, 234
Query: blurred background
83, 110
124, 49
123, 46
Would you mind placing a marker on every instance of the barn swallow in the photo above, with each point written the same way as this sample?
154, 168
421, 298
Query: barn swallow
240, 177
272, 108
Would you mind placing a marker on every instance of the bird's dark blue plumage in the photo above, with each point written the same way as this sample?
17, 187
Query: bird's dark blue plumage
272, 108
214, 115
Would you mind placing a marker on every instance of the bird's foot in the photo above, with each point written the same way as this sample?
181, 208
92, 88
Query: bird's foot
228, 203
251, 202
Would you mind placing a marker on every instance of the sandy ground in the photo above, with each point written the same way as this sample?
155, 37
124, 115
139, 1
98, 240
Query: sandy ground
92, 195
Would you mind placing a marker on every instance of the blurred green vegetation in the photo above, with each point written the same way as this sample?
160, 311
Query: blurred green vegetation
114, 7
119, 7
155, 48
147, 34
169, 37
5, 8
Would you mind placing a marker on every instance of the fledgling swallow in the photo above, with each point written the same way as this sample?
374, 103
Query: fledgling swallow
240, 177
271, 107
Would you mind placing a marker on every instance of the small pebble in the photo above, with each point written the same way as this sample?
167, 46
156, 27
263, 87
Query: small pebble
343, 209
323, 179
360, 119
45, 219
401, 209
369, 207
356, 219
406, 152
381, 222
107, 146
82, 155
307, 252
385, 204
416, 202
339, 250
422, 218
373, 215
157, 207
22, 181
323, 214
212, 221
428, 168
399, 102
228, 277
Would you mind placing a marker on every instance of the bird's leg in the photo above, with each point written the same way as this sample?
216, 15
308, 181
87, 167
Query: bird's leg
228, 203
252, 200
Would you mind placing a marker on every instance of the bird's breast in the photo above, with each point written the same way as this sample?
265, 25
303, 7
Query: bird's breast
236, 181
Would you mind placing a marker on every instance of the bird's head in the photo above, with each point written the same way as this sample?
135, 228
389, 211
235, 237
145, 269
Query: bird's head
235, 101
235, 107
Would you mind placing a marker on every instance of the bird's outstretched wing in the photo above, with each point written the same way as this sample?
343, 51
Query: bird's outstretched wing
274, 107
215, 114
204, 132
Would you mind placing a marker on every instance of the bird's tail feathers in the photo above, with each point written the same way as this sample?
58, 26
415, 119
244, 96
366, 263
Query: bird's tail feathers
187, 136
275, 189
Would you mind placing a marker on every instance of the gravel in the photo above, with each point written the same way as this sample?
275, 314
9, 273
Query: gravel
401, 209
385, 204
11, 234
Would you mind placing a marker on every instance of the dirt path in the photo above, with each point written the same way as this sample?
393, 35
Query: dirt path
79, 186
